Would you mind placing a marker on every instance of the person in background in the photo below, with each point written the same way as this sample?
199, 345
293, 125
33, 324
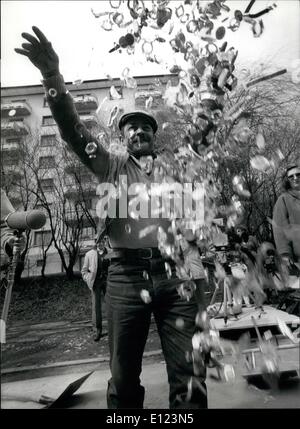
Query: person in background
7, 238
241, 241
273, 275
286, 218
94, 273
7, 234
194, 267
246, 239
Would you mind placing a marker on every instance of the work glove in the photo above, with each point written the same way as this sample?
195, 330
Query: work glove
40, 53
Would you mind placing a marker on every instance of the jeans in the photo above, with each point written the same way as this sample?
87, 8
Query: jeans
128, 326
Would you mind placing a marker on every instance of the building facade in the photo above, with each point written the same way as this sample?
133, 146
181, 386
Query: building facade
27, 125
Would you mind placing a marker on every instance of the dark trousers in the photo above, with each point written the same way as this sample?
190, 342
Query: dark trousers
128, 325
98, 290
201, 285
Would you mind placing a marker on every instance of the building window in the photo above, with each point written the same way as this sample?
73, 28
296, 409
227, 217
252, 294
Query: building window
23, 100
47, 184
88, 204
88, 233
14, 177
45, 102
69, 180
48, 120
13, 141
46, 162
42, 238
146, 87
49, 140
11, 160
16, 119
39, 262
42, 207
82, 95
85, 178
11, 145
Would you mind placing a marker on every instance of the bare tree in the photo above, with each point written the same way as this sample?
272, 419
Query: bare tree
65, 190
270, 110
16, 179
51, 178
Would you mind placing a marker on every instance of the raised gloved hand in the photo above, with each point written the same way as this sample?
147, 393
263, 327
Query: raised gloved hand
40, 53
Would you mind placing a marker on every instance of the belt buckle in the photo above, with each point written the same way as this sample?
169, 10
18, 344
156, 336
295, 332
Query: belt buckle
145, 256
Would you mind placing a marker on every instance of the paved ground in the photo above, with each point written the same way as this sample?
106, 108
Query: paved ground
43, 359
26, 393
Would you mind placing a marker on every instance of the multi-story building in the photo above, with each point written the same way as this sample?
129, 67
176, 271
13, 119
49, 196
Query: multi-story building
26, 119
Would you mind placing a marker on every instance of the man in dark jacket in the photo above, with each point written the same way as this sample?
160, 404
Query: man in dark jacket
138, 283
286, 218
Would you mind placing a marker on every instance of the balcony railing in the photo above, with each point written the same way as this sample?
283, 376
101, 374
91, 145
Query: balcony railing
73, 216
15, 128
141, 98
17, 108
13, 173
86, 102
10, 147
72, 191
77, 167
90, 120
73, 213
47, 130
10, 160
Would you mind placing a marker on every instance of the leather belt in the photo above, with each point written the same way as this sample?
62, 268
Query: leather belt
144, 253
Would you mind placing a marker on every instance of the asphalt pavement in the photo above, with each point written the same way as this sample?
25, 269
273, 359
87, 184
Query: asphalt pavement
37, 386
28, 393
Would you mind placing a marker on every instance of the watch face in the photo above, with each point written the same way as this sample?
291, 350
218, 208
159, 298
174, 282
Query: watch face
91, 148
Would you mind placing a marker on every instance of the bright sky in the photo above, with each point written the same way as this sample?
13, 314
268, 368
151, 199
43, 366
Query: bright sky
82, 45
